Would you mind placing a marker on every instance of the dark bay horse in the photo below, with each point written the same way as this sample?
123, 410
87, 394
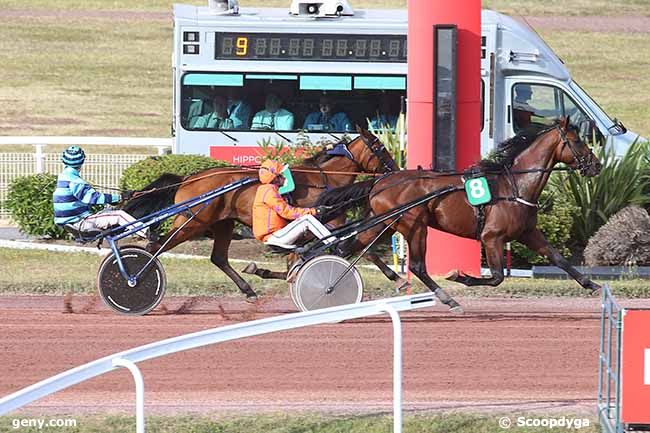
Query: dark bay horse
364, 154
522, 168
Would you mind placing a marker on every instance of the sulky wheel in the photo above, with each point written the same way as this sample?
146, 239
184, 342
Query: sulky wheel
145, 295
310, 288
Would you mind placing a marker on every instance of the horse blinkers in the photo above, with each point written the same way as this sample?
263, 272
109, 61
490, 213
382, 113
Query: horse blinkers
587, 165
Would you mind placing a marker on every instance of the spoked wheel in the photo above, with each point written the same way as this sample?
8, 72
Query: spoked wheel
312, 288
140, 298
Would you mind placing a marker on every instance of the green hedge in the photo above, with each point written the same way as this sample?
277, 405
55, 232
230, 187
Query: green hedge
30, 203
146, 171
555, 220
622, 182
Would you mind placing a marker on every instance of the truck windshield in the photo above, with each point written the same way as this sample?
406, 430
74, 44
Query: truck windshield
612, 126
289, 102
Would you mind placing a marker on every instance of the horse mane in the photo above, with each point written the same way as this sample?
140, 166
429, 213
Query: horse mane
505, 154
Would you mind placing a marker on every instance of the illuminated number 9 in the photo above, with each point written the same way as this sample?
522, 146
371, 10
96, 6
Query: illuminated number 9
476, 188
242, 46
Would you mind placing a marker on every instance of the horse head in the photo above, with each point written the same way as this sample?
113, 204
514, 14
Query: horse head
370, 153
575, 153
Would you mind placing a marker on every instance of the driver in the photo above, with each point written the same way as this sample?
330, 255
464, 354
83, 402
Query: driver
271, 213
73, 198
521, 109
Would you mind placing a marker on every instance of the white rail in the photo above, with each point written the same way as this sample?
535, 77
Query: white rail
130, 358
105, 169
160, 143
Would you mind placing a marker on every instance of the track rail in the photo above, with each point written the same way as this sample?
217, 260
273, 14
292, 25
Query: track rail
128, 359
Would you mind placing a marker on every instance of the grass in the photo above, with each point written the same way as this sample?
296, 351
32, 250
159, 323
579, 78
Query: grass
80, 75
613, 69
57, 273
458, 423
85, 77
575, 7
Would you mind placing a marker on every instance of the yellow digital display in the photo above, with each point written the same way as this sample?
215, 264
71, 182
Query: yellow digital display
286, 46
242, 46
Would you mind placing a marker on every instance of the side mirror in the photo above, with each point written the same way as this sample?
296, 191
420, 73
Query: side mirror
587, 128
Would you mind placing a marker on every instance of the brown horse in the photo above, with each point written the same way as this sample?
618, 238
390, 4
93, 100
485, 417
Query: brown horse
365, 154
524, 164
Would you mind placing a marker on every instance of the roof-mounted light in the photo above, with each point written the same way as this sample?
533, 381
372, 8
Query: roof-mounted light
321, 9
224, 7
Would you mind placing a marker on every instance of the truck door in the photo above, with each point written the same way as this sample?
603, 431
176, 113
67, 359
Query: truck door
488, 59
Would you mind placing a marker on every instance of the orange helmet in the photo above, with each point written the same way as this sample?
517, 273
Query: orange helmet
269, 170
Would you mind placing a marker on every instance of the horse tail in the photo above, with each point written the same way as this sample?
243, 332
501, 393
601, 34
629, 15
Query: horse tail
159, 194
346, 197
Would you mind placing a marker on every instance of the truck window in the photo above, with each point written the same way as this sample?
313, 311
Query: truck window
290, 102
534, 104
537, 104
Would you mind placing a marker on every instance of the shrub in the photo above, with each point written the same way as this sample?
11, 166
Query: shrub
146, 171
284, 154
30, 203
620, 183
391, 139
623, 241
554, 220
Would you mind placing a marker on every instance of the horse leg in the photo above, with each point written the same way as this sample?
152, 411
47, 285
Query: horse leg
364, 239
536, 241
417, 241
266, 274
222, 232
494, 252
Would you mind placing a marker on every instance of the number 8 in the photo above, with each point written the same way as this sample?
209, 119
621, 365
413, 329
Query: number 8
476, 188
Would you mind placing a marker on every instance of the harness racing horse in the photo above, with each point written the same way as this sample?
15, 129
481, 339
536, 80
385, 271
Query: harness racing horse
364, 154
522, 168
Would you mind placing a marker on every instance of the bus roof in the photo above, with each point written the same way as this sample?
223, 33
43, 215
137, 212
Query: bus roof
202, 15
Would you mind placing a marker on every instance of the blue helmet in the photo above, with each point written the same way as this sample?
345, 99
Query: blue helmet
73, 156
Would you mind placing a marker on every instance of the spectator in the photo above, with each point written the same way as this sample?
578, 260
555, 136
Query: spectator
217, 119
325, 120
238, 110
383, 117
273, 117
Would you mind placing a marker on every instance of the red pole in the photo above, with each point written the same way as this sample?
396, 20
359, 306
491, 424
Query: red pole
445, 252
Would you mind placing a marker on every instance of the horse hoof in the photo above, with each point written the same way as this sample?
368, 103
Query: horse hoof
401, 284
595, 289
452, 275
457, 310
250, 268
251, 299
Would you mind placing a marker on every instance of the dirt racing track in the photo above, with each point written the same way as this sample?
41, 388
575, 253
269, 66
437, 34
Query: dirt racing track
502, 355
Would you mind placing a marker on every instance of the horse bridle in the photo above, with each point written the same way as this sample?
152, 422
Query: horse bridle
379, 151
583, 162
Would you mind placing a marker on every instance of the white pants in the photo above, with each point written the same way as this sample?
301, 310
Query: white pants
286, 236
108, 218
